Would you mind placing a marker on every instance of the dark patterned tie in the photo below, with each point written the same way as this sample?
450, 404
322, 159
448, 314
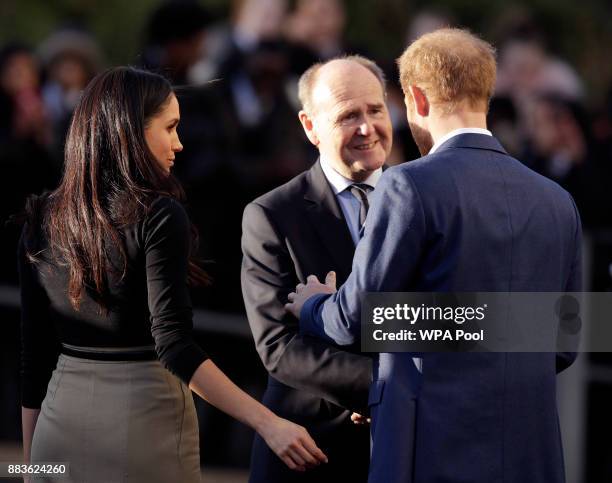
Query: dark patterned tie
360, 191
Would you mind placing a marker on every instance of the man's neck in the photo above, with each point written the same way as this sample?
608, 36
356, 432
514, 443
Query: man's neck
441, 125
340, 182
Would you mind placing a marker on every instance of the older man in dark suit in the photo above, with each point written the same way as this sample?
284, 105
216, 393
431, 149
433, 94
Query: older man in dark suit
311, 225
466, 217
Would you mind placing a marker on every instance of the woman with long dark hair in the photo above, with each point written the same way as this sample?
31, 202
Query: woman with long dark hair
104, 263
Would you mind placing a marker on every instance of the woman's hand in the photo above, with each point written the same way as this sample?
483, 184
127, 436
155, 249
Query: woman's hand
292, 444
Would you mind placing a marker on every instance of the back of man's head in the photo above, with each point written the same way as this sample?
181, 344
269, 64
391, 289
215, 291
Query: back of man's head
451, 66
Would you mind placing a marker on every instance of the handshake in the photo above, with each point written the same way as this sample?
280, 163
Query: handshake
302, 293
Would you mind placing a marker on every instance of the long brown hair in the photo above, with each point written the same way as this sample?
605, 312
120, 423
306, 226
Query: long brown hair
110, 178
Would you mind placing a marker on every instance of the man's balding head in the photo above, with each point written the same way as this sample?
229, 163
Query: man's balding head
338, 67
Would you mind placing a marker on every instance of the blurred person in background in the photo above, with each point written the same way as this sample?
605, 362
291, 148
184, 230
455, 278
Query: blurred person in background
177, 36
427, 20
239, 131
255, 68
526, 68
601, 223
318, 25
24, 117
560, 145
70, 58
255, 74
251, 22
107, 346
503, 121
267, 148
26, 139
175, 39
602, 123
316, 29
527, 72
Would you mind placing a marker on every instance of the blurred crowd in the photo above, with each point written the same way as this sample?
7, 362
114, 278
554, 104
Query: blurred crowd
236, 80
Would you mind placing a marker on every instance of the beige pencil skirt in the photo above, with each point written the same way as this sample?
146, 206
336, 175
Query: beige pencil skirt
118, 422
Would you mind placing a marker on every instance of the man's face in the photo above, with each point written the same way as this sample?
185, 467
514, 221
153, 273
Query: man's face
422, 137
350, 122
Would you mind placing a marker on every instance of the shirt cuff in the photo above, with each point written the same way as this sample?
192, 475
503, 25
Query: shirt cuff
311, 321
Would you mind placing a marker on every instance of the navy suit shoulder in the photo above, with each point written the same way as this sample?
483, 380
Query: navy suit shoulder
453, 159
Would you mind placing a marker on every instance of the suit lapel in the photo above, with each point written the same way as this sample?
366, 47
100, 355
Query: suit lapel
328, 222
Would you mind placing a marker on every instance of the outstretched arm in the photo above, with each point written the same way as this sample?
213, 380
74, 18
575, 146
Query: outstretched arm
167, 254
290, 442
385, 261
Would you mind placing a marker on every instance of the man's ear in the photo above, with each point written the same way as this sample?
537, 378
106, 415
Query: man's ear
306, 121
419, 101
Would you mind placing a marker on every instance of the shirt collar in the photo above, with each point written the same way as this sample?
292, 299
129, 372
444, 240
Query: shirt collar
456, 132
339, 183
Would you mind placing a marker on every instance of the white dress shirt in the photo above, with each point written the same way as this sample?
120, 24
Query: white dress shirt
456, 132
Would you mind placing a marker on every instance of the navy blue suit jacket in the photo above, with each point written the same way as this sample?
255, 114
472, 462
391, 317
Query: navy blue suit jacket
466, 218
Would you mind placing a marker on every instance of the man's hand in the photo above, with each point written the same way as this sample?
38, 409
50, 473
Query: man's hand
312, 287
359, 419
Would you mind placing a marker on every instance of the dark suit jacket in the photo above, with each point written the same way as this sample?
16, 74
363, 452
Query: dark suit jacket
466, 218
289, 233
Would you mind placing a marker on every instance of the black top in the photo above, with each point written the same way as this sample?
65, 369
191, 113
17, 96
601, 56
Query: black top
149, 305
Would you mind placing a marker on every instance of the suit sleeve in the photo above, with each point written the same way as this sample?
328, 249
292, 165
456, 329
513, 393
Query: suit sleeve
385, 260
299, 361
